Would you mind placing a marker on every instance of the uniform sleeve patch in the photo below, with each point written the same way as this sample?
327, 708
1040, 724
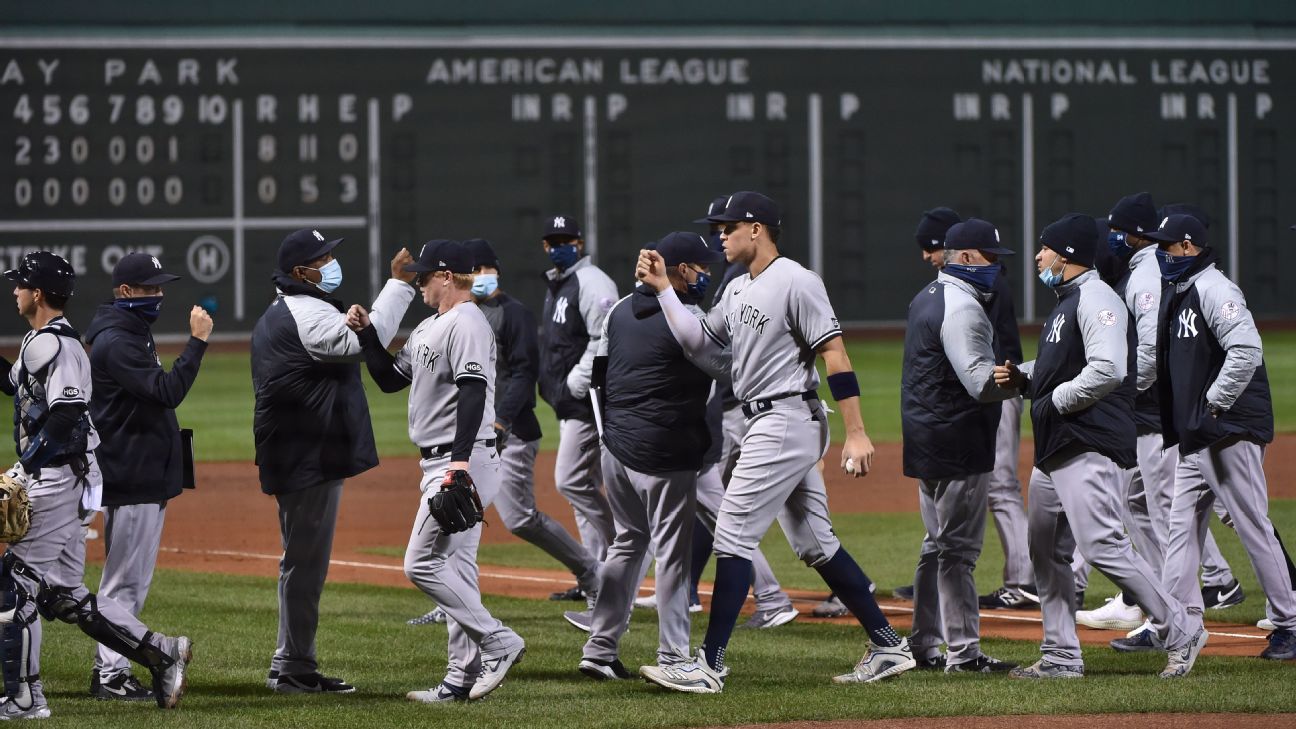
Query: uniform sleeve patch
473, 367
71, 392
1107, 318
1230, 310
606, 304
1146, 300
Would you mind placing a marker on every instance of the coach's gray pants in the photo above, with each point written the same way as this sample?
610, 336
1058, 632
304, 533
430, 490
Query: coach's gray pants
517, 509
1077, 503
577, 478
55, 549
444, 567
1231, 471
1005, 498
776, 478
945, 593
306, 522
132, 534
765, 586
733, 426
649, 509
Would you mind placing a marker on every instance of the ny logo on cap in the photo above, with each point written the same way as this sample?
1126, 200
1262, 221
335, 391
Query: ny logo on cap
1069, 249
156, 263
441, 263
317, 235
560, 222
750, 215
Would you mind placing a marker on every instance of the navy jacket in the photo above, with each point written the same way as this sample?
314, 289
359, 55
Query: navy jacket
949, 404
1209, 351
655, 414
1003, 316
1081, 384
133, 407
518, 364
311, 422
574, 308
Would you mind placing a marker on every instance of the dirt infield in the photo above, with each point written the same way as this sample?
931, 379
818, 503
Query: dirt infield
377, 509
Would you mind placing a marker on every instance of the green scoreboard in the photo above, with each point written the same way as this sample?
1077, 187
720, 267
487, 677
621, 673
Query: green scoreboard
206, 151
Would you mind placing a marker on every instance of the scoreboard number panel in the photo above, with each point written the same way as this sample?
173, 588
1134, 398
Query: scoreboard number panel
206, 151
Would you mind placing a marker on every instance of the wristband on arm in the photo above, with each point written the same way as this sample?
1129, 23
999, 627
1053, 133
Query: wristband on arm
843, 385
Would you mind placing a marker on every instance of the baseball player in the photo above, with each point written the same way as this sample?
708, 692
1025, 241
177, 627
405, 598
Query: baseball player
133, 408
775, 319
1081, 386
1216, 406
577, 300
42, 575
1004, 495
1151, 483
449, 364
950, 415
654, 436
312, 431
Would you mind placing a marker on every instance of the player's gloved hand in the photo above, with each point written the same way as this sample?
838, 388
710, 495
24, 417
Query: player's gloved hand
501, 436
19, 475
456, 507
15, 505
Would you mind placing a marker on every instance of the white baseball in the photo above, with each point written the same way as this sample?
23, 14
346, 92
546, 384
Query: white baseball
850, 467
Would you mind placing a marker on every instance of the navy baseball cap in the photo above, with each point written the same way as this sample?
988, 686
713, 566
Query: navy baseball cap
975, 233
302, 246
140, 269
933, 226
749, 207
678, 247
562, 226
442, 255
46, 271
1074, 236
716, 207
1176, 228
481, 252
1185, 209
1134, 214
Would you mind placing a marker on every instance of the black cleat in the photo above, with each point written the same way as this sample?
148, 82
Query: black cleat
122, 687
981, 664
1218, 598
575, 594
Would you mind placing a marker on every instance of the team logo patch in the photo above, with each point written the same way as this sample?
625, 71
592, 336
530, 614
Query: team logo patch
1230, 310
606, 304
71, 392
1107, 318
1146, 301
473, 367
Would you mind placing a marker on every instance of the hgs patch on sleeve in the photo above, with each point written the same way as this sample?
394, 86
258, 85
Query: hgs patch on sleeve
71, 392
473, 367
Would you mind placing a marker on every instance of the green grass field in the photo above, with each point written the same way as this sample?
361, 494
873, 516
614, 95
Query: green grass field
220, 405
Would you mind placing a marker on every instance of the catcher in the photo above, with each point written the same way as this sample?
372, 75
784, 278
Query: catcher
449, 365
43, 569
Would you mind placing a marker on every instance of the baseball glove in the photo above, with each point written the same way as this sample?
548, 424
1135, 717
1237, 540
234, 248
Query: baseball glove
456, 507
15, 510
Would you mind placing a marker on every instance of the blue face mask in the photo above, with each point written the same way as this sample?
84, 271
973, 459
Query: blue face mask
484, 284
1118, 245
982, 277
330, 276
1050, 279
563, 256
698, 288
148, 307
1173, 267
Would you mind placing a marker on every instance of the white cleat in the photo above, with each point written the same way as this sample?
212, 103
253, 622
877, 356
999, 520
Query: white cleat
690, 677
647, 602
493, 671
880, 663
438, 694
1115, 615
1181, 660
1266, 624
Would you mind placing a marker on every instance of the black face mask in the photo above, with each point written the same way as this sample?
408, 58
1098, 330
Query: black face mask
149, 307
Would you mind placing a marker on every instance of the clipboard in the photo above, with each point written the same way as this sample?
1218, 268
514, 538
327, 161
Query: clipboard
187, 479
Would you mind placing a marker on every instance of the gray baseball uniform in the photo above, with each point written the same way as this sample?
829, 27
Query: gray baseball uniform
1077, 487
442, 351
948, 352
1005, 498
1221, 454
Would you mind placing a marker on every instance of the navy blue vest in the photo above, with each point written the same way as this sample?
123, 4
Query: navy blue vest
947, 433
655, 415
563, 338
1107, 426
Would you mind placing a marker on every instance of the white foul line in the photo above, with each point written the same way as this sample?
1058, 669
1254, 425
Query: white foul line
565, 579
